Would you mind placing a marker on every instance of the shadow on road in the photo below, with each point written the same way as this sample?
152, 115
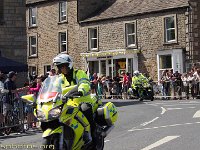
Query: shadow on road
121, 103
13, 135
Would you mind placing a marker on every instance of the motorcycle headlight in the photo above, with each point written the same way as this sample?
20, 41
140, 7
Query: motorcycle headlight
40, 115
55, 113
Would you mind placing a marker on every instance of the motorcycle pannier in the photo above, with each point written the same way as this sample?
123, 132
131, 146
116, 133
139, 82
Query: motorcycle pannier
107, 115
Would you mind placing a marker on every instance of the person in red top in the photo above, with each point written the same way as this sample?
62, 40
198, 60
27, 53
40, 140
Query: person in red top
34, 90
124, 85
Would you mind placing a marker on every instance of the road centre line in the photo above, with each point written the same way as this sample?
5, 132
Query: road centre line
173, 125
197, 114
179, 104
146, 123
179, 108
163, 110
106, 141
160, 142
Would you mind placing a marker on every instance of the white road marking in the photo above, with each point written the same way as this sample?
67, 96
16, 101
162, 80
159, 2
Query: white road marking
178, 104
173, 125
160, 142
191, 102
106, 141
197, 114
163, 110
179, 108
146, 123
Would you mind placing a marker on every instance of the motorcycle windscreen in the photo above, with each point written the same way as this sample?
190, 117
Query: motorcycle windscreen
52, 86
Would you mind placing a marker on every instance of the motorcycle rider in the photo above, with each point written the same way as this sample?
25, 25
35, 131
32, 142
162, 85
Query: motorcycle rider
71, 77
138, 78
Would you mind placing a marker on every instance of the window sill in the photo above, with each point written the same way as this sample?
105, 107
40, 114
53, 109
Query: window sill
33, 56
131, 47
63, 22
93, 50
170, 43
32, 27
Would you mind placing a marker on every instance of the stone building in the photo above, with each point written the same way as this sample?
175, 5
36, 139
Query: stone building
111, 36
13, 30
13, 39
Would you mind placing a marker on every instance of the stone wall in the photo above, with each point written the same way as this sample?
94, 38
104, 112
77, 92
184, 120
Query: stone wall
13, 33
47, 31
195, 30
13, 30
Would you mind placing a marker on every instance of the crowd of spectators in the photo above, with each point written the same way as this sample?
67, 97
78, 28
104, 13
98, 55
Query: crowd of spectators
176, 85
107, 87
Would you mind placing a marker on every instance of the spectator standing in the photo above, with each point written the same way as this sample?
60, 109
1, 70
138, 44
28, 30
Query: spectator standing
177, 83
185, 82
191, 81
93, 81
99, 87
1, 82
35, 91
104, 84
52, 72
196, 81
125, 85
165, 81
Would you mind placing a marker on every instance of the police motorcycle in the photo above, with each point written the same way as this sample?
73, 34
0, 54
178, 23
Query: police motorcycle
142, 90
62, 122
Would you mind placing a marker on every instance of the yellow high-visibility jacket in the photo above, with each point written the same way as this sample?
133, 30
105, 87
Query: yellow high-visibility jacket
81, 79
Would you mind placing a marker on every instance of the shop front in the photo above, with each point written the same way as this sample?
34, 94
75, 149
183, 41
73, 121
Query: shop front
111, 63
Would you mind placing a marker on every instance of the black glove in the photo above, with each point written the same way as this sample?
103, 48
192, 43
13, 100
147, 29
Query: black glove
79, 93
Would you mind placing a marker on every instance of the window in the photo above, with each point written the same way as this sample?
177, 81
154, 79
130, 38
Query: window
62, 11
63, 41
32, 70
32, 46
47, 68
165, 62
93, 39
32, 16
130, 34
1, 11
170, 29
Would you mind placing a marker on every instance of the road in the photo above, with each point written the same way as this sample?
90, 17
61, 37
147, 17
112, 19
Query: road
158, 125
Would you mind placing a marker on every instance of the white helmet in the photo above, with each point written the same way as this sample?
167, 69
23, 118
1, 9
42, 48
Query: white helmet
136, 72
63, 59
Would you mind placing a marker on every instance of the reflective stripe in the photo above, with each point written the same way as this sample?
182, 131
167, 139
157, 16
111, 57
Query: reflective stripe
85, 93
85, 79
86, 82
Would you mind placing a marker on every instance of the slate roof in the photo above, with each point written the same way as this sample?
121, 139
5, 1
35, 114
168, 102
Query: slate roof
122, 8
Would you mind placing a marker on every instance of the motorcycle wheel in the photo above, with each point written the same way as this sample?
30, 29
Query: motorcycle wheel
99, 144
49, 141
152, 98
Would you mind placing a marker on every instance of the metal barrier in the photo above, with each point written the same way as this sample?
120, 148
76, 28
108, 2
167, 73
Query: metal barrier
166, 90
176, 90
12, 113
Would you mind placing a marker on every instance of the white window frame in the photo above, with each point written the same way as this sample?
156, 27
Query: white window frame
32, 46
130, 34
30, 68
61, 43
31, 16
92, 38
62, 11
177, 60
166, 30
46, 68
